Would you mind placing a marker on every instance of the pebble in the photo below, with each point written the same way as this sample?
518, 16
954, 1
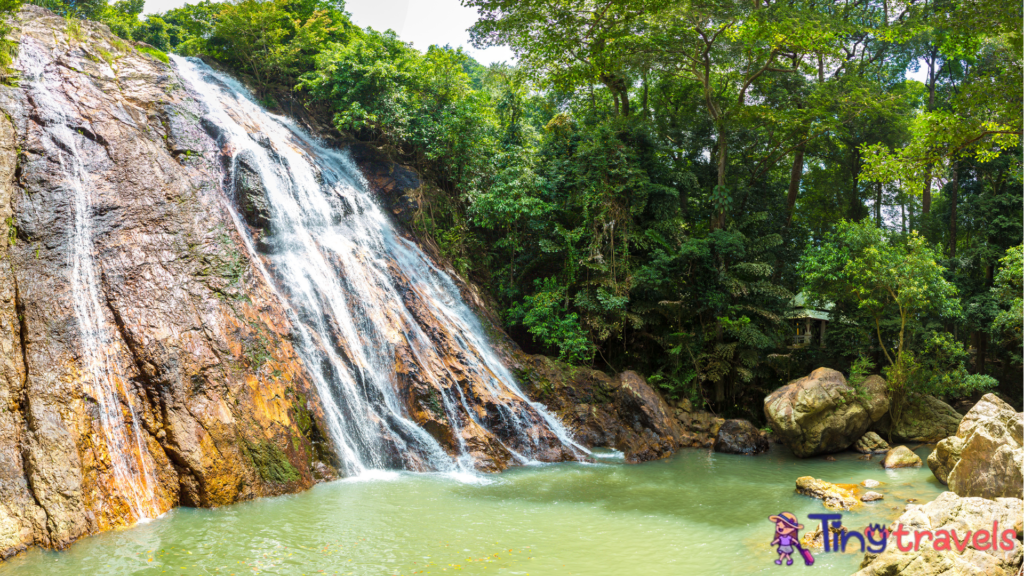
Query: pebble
871, 497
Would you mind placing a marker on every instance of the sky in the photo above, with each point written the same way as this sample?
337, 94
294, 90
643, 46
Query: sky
421, 22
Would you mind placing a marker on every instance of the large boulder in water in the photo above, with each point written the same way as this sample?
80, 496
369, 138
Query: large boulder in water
621, 412
822, 413
740, 437
950, 512
924, 419
901, 457
985, 456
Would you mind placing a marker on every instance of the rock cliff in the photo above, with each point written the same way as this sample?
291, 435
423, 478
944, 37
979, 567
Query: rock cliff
149, 360
192, 338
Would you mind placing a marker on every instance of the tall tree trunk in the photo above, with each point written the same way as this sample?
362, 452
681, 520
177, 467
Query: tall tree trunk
795, 174
926, 194
878, 204
981, 352
903, 214
718, 220
643, 102
954, 192
619, 88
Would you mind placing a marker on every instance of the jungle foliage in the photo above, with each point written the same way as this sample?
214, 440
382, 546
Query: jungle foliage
654, 180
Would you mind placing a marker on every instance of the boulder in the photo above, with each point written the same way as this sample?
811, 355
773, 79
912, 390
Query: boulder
870, 443
822, 413
901, 457
985, 456
833, 496
700, 427
870, 496
869, 483
945, 457
621, 412
951, 512
924, 419
740, 437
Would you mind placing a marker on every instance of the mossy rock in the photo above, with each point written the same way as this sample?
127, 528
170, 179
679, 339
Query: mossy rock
270, 462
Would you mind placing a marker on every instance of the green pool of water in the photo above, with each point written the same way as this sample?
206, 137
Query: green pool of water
697, 513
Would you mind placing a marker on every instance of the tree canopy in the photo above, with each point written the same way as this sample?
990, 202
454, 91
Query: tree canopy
652, 181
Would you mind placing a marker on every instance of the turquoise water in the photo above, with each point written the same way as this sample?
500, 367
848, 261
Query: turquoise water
697, 513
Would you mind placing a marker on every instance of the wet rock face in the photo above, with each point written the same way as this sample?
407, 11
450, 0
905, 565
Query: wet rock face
740, 437
621, 412
985, 456
194, 341
822, 413
396, 184
947, 513
249, 194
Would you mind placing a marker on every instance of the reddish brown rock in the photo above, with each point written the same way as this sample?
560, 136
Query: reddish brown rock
198, 342
621, 412
398, 185
740, 437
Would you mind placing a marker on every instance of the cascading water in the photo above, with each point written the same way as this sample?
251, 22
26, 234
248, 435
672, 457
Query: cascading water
133, 479
367, 304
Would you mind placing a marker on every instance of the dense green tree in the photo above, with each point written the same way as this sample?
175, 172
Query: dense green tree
653, 180
895, 285
8, 46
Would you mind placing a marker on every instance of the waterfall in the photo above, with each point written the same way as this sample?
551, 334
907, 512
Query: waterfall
367, 306
133, 480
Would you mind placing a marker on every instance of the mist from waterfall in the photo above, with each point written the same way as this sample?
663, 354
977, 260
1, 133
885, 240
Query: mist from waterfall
362, 299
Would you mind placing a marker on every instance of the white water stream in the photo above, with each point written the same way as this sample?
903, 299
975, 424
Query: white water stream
363, 300
133, 480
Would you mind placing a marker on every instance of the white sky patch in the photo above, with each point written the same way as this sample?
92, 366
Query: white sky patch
419, 22
921, 75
